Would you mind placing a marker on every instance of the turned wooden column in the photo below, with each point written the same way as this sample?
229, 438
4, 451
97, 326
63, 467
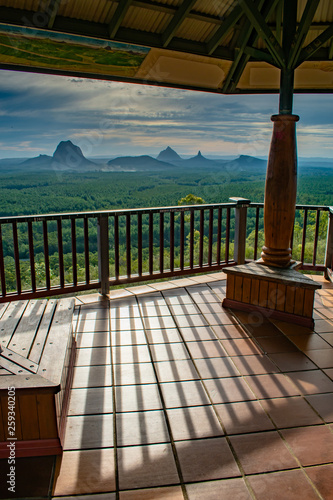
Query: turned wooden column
280, 192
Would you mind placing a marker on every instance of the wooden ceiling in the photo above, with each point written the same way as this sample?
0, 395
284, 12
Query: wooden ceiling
225, 46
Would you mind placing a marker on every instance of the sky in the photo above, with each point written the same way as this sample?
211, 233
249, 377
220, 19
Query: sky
118, 119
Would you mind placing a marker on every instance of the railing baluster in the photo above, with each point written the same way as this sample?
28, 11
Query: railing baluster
46, 256
151, 243
61, 255
74, 261
128, 245
31, 256
304, 235
181, 241
227, 236
2, 267
219, 235
210, 237
103, 253
201, 238
172, 241
116, 246
139, 244
256, 235
17, 259
86, 250
191, 238
314, 256
161, 242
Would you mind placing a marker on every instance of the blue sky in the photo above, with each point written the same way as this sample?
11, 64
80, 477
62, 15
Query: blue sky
114, 119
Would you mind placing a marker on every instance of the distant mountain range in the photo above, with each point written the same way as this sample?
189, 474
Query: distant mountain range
69, 158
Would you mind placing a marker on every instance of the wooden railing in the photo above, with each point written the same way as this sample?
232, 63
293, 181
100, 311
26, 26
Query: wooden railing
66, 253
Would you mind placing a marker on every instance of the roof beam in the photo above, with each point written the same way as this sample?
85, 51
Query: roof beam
316, 44
118, 17
176, 21
259, 55
52, 11
259, 23
224, 29
303, 28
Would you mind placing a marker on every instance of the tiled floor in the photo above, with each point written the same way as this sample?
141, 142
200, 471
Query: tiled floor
175, 398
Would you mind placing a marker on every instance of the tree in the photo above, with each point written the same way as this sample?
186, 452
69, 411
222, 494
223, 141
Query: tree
191, 199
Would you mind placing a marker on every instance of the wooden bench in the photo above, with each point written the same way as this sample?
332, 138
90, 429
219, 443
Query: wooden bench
36, 359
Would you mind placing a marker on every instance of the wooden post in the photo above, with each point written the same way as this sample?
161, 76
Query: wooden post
280, 192
103, 253
240, 228
329, 246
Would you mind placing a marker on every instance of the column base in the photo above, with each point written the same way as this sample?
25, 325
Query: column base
276, 257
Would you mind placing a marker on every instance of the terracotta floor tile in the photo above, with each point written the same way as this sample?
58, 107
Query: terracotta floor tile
159, 322
118, 324
165, 493
254, 365
322, 477
219, 318
146, 466
230, 332
205, 297
93, 314
311, 382
93, 325
240, 347
171, 297
194, 423
197, 333
262, 452
322, 325
98, 496
90, 401
329, 373
120, 293
128, 337
276, 344
92, 376
180, 394
239, 418
123, 310
216, 367
163, 335
134, 373
265, 329
93, 356
164, 285
89, 431
311, 445
131, 354
143, 427
328, 337
291, 328
206, 349
275, 385
98, 339
191, 320
86, 471
137, 398
228, 390
171, 351
322, 357
282, 486
154, 310
184, 309
307, 342
176, 371
223, 489
292, 361
204, 459
214, 307
323, 404
290, 412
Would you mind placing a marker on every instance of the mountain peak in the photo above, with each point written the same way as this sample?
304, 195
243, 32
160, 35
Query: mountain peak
168, 154
70, 156
199, 154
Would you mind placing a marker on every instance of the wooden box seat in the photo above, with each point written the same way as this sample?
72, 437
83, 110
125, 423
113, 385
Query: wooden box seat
36, 359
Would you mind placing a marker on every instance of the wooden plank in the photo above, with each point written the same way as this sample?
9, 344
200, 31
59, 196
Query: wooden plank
299, 301
263, 293
246, 290
4, 408
25, 333
43, 330
13, 367
308, 303
3, 307
47, 416
281, 297
10, 319
26, 383
55, 350
238, 288
230, 286
29, 416
290, 299
19, 360
254, 292
272, 295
